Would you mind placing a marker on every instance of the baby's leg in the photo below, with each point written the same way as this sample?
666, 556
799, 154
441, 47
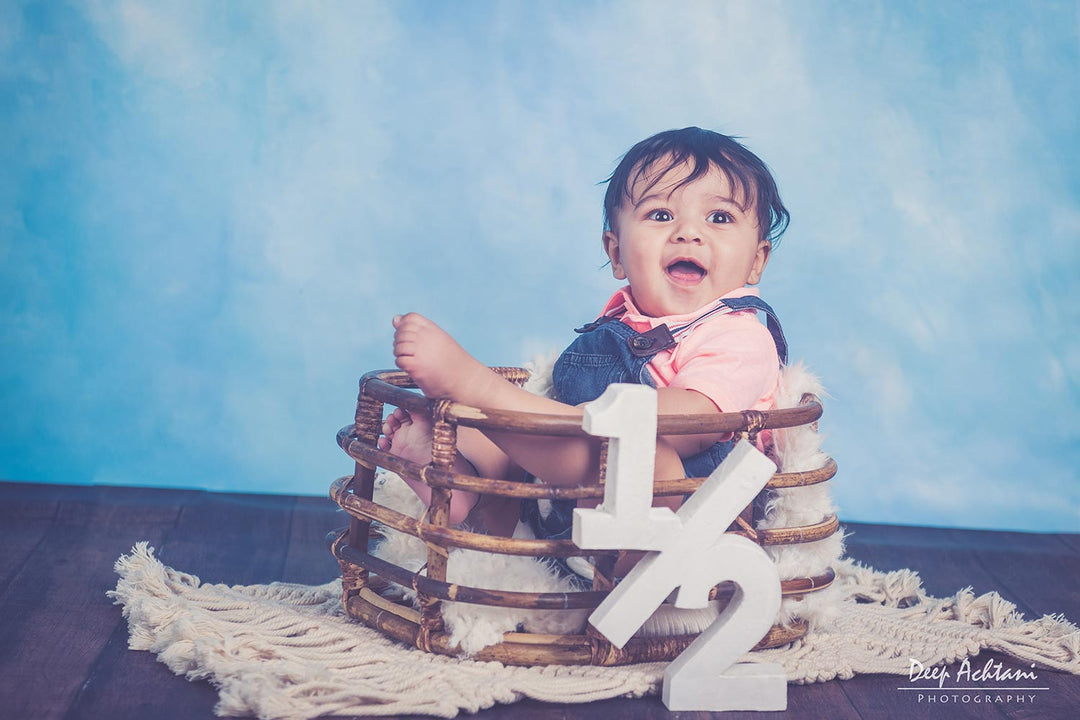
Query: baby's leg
668, 467
495, 514
443, 369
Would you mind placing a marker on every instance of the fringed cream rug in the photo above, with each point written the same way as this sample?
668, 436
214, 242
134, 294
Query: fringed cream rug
287, 651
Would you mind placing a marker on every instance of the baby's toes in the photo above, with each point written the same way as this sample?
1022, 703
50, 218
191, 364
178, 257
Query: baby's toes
395, 420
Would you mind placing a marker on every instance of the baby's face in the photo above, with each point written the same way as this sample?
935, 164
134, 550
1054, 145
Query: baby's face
682, 248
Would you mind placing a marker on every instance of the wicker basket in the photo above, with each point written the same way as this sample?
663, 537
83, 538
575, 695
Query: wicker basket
424, 628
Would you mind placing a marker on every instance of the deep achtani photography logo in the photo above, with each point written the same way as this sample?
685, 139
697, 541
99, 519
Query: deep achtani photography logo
1002, 685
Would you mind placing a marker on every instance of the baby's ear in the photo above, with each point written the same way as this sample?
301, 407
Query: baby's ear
611, 247
761, 259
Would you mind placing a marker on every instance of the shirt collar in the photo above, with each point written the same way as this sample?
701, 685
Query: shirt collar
623, 302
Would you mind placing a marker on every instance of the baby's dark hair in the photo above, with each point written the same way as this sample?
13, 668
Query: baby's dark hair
701, 149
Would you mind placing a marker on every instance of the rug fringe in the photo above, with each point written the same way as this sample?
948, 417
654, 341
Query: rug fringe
1050, 642
286, 651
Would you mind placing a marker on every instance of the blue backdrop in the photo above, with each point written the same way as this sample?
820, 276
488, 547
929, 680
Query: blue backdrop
210, 211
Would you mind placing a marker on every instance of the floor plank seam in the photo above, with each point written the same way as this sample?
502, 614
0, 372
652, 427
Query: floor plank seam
1073, 549
1005, 590
92, 670
25, 561
851, 700
288, 540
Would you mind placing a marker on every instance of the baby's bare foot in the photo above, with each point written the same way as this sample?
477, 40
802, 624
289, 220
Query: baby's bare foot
439, 366
407, 436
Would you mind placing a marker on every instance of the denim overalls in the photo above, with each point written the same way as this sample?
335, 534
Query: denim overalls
609, 351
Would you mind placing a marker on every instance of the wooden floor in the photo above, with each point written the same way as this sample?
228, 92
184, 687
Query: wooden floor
63, 644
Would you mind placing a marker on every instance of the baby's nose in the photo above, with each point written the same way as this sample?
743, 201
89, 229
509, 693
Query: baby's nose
685, 231
686, 235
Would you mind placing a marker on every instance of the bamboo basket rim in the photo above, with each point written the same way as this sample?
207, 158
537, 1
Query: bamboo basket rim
391, 386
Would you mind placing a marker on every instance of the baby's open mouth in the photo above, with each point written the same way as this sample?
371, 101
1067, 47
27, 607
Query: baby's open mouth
686, 271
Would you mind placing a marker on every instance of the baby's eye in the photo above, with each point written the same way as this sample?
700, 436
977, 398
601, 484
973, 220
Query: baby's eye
660, 216
720, 216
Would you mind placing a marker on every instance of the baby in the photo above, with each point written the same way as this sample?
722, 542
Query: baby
691, 217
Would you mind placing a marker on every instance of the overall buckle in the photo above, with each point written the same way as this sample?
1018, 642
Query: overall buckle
649, 343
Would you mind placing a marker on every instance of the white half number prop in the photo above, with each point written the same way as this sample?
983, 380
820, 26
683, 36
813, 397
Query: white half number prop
692, 554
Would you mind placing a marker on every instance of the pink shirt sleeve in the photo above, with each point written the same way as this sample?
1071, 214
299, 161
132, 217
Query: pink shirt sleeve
732, 362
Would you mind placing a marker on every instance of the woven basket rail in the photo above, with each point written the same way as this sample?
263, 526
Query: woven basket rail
424, 628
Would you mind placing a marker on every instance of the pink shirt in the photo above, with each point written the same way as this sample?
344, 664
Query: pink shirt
729, 358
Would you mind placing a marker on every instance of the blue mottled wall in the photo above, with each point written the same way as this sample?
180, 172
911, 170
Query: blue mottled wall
209, 212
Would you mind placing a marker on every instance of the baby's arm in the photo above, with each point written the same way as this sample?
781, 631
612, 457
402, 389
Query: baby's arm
677, 401
442, 368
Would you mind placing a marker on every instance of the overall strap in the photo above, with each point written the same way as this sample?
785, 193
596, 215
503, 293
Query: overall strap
772, 322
